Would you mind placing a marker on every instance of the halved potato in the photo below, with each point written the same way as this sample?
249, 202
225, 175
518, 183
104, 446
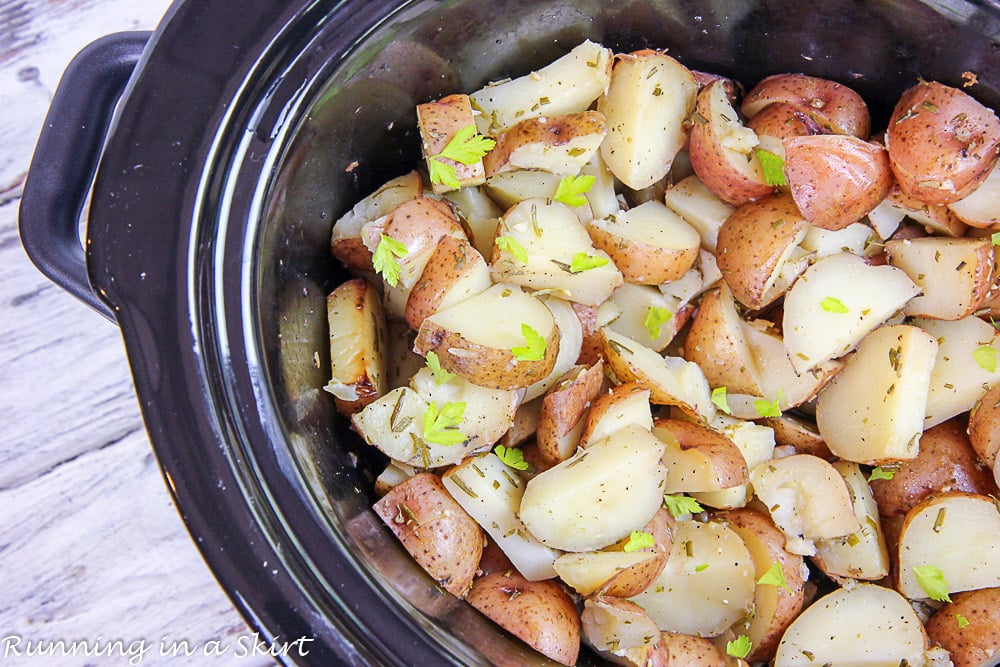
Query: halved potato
698, 458
557, 144
618, 627
566, 85
873, 411
835, 303
539, 613
438, 122
807, 499
357, 342
955, 534
553, 239
942, 142
755, 246
717, 343
954, 275
969, 628
483, 338
721, 149
454, 272
490, 492
435, 530
599, 495
650, 244
865, 625
707, 585
700, 208
778, 121
650, 95
834, 106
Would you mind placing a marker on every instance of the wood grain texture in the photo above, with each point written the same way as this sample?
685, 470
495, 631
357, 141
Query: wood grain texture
91, 545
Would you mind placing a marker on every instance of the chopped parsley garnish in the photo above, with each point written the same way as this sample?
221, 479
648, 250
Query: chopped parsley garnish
961, 620
720, 399
833, 305
639, 540
385, 260
656, 317
511, 456
679, 505
441, 425
986, 357
775, 576
534, 348
572, 189
584, 262
739, 647
767, 408
512, 246
467, 146
931, 579
773, 167
878, 472
441, 375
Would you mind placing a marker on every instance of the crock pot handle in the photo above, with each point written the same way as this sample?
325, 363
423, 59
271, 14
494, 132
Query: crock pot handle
66, 157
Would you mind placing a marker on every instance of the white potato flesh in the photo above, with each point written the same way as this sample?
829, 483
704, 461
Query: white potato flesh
700, 207
345, 239
654, 224
703, 276
854, 238
707, 585
698, 458
957, 533
557, 144
587, 571
512, 187
394, 425
815, 326
982, 207
602, 196
873, 411
634, 303
552, 235
671, 380
885, 218
965, 367
617, 627
807, 499
490, 492
650, 95
494, 317
570, 343
755, 442
566, 85
357, 341
953, 275
599, 495
863, 626
481, 214
617, 411
863, 554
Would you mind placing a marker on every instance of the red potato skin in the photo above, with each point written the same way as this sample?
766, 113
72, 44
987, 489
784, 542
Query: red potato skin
984, 427
453, 255
942, 142
836, 180
976, 641
945, 462
547, 130
439, 121
832, 105
784, 120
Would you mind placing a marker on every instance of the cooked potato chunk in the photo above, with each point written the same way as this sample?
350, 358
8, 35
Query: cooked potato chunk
357, 341
716, 341
700, 207
698, 458
954, 275
439, 121
834, 106
620, 628
969, 628
557, 144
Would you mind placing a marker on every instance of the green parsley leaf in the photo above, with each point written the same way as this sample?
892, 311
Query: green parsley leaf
534, 350
962, 621
767, 408
466, 146
584, 262
679, 505
656, 317
385, 260
833, 305
701, 568
440, 425
511, 456
995, 238
773, 166
775, 576
639, 540
739, 647
931, 579
878, 472
572, 189
986, 357
511, 245
719, 398
443, 173
441, 375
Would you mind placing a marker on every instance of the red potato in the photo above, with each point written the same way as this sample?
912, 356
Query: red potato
622, 632
690, 650
454, 272
438, 122
721, 149
357, 337
981, 209
984, 427
698, 458
717, 343
563, 410
836, 180
942, 142
832, 105
784, 120
624, 404
935, 219
539, 613
557, 144
969, 628
435, 530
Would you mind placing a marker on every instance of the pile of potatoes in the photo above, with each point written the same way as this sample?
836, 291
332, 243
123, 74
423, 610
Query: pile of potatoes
688, 375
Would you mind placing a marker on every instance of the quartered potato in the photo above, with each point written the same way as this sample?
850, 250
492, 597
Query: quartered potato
834, 106
357, 342
557, 144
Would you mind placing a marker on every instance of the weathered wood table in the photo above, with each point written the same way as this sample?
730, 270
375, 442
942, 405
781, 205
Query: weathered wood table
92, 549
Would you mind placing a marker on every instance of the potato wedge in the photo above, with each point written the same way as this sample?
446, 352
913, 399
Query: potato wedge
623, 404
836, 180
435, 530
954, 275
357, 342
570, 345
650, 244
857, 238
928, 538
862, 625
684, 649
700, 208
756, 244
485, 338
648, 315
984, 427
942, 142
651, 95
454, 272
539, 613
599, 495
834, 106
798, 433
935, 218
557, 144
438, 122
479, 215
756, 444
698, 458
721, 149
563, 411
969, 628
717, 343
873, 411
620, 628
835, 303
980, 208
